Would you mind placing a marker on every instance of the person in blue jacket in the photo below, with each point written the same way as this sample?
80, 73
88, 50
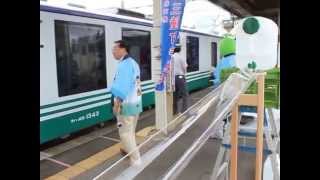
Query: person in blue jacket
127, 102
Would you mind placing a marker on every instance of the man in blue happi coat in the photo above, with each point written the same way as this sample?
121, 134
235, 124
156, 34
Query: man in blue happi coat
127, 102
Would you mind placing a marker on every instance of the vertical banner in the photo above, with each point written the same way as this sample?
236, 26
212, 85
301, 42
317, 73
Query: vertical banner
172, 11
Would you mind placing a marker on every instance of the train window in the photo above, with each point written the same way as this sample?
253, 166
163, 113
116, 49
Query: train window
213, 54
192, 53
140, 43
81, 57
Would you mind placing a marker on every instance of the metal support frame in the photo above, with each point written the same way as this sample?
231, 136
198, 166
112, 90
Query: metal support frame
271, 132
252, 100
272, 138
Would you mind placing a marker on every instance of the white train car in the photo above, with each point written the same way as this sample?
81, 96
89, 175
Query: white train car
77, 66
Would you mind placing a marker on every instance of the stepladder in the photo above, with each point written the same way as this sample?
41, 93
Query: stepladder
247, 132
265, 129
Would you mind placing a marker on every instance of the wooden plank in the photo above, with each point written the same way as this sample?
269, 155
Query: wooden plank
234, 143
248, 100
260, 118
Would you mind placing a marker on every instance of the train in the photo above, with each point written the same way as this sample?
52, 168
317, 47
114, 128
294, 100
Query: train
77, 66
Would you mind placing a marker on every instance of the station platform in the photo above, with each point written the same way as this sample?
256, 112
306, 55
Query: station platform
88, 155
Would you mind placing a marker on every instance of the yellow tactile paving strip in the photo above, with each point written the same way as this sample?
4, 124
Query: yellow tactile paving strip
96, 159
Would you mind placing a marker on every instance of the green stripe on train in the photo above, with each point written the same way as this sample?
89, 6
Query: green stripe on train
198, 77
197, 73
105, 93
146, 84
73, 107
198, 84
93, 102
60, 126
148, 99
73, 100
82, 98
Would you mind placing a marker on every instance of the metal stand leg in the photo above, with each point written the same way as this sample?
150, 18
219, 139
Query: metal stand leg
222, 161
272, 143
219, 161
